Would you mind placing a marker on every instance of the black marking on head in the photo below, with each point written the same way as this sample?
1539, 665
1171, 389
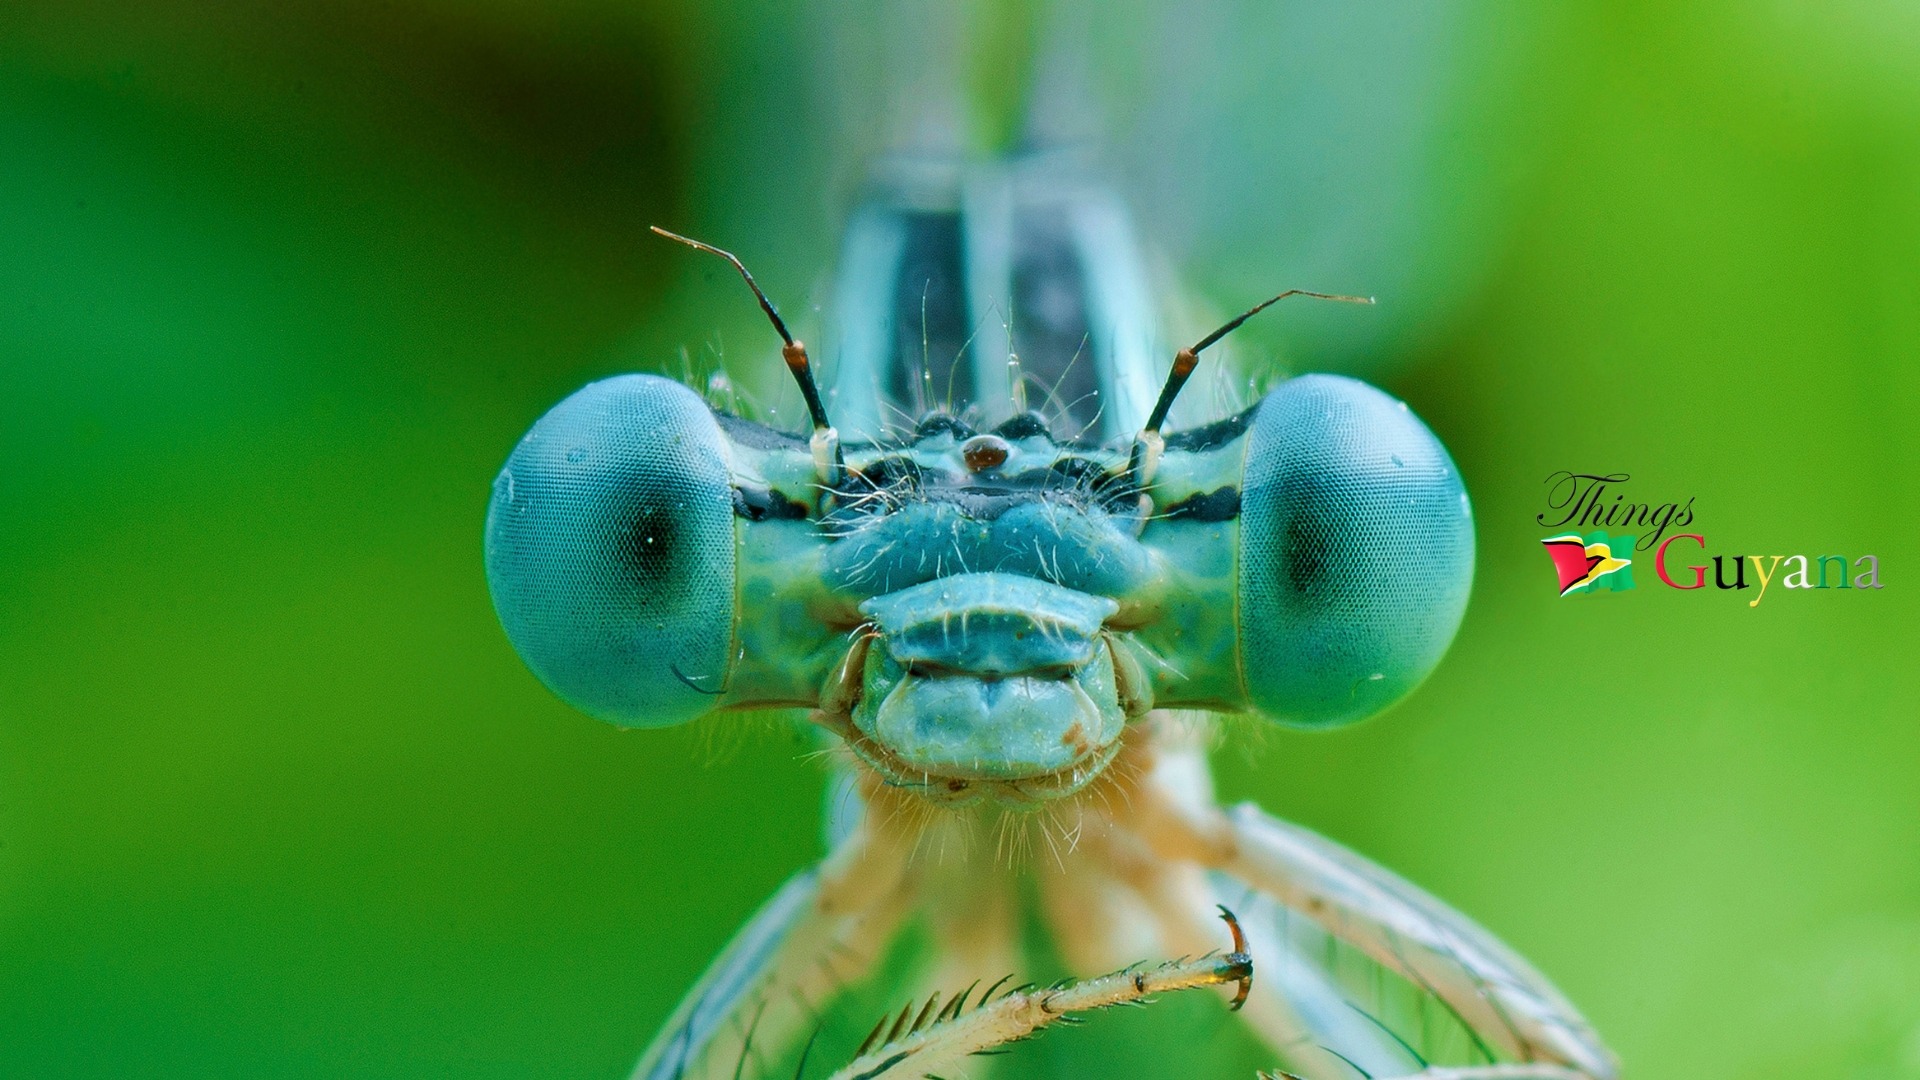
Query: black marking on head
1112, 490
1212, 436
879, 487
762, 504
758, 436
1083, 471
888, 473
1220, 504
978, 487
1024, 426
935, 423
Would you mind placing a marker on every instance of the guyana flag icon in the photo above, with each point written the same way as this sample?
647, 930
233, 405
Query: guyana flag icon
1589, 563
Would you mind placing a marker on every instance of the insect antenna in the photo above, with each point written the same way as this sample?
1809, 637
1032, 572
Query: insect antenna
1188, 358
1146, 446
826, 441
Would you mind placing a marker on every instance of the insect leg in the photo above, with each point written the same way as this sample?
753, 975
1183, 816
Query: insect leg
1492, 991
956, 1032
1290, 1008
1332, 1035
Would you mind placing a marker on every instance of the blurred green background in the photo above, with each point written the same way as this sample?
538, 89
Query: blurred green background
281, 284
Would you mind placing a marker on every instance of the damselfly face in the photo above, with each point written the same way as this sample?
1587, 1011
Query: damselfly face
982, 613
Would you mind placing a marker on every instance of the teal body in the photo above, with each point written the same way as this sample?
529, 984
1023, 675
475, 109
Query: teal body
981, 610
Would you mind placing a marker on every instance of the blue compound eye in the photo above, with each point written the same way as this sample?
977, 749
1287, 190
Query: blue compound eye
1356, 552
610, 552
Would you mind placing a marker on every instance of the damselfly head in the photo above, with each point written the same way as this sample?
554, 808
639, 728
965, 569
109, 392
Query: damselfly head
981, 613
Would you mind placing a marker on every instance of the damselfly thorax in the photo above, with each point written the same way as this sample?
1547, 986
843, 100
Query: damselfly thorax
993, 569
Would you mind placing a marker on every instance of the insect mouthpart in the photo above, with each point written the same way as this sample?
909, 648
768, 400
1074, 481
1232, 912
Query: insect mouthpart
989, 684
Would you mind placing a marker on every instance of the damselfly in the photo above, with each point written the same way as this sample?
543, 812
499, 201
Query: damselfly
1011, 594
